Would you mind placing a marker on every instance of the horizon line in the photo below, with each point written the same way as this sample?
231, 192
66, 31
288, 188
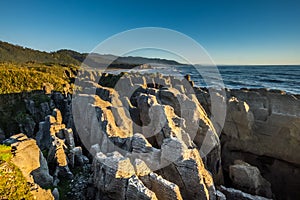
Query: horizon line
149, 57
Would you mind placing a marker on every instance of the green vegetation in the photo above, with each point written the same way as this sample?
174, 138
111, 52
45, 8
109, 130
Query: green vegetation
18, 54
16, 78
12, 182
5, 153
21, 79
24, 69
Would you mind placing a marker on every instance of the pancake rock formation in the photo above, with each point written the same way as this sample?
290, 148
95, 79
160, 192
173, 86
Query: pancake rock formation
133, 136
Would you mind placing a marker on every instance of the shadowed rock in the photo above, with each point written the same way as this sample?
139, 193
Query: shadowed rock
248, 178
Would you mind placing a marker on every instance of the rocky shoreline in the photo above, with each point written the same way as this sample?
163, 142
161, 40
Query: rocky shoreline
130, 136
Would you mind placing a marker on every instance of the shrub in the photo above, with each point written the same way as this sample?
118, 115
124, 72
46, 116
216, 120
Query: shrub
16, 78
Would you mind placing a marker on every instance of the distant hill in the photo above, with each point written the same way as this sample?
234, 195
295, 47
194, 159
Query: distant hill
18, 54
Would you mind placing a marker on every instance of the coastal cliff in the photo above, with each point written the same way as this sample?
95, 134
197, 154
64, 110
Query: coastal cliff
262, 127
131, 136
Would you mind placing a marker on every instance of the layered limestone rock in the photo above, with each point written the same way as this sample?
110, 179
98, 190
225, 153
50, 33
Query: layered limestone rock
101, 122
49, 129
161, 106
137, 190
141, 149
135, 125
53, 137
186, 170
249, 179
163, 188
114, 177
274, 127
30, 160
198, 126
150, 138
37, 112
259, 120
260, 125
180, 166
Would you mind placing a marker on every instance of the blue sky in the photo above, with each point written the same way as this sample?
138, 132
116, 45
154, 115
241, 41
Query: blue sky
232, 32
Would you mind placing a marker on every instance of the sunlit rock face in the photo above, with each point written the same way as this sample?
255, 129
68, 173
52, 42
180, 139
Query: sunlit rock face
30, 160
146, 135
263, 128
151, 137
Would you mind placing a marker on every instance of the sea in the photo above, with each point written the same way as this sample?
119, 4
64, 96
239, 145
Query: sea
279, 77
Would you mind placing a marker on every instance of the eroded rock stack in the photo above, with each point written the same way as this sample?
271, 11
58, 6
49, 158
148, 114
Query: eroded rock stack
58, 141
148, 137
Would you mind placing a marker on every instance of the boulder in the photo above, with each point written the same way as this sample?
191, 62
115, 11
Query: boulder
44, 109
124, 85
30, 160
238, 113
144, 103
160, 121
79, 158
49, 129
248, 178
37, 111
